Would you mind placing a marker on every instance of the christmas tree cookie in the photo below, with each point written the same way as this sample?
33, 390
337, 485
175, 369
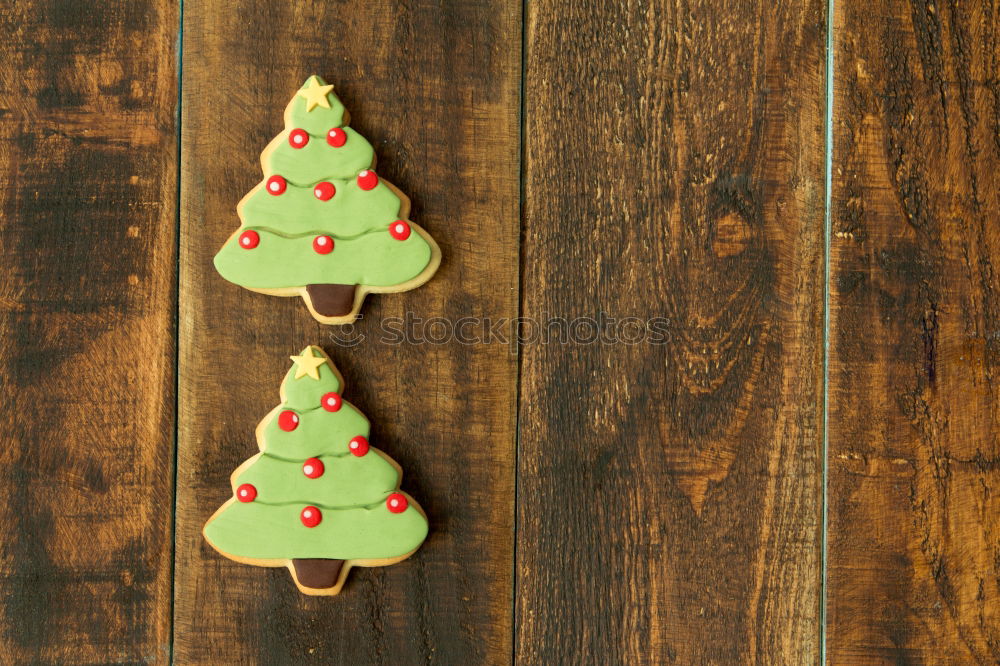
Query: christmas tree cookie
322, 224
317, 498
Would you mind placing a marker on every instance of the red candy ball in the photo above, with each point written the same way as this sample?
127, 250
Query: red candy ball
336, 137
323, 244
298, 138
367, 179
313, 468
358, 446
400, 230
331, 402
324, 191
249, 239
246, 493
276, 185
288, 420
311, 516
396, 502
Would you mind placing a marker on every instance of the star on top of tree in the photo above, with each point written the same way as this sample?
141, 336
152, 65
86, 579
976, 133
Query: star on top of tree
307, 364
315, 94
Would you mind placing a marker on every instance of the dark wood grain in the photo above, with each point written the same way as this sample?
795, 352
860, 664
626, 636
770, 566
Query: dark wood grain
669, 495
434, 86
87, 255
914, 451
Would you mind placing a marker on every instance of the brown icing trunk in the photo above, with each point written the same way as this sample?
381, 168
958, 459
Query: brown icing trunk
332, 300
318, 574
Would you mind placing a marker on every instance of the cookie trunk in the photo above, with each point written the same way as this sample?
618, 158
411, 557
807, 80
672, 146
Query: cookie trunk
319, 574
332, 300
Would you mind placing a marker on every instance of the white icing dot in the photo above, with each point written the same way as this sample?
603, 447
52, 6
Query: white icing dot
394, 502
309, 469
274, 187
298, 138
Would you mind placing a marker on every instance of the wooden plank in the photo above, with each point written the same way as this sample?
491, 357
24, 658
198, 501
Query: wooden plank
671, 492
434, 86
914, 555
88, 229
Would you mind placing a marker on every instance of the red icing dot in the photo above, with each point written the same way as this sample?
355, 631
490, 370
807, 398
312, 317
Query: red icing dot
400, 230
249, 239
358, 446
324, 191
311, 516
276, 185
313, 468
367, 179
288, 420
336, 137
246, 493
396, 502
298, 138
331, 402
323, 244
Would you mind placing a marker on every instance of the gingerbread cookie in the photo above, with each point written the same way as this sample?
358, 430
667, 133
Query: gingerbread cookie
318, 498
322, 224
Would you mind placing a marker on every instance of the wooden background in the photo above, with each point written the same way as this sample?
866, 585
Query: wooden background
806, 470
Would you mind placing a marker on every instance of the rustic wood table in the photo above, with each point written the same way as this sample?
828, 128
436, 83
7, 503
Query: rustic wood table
804, 467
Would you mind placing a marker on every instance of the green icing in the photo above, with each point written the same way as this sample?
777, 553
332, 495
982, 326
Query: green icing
259, 531
351, 492
320, 119
279, 262
365, 254
347, 481
305, 393
317, 160
350, 212
319, 433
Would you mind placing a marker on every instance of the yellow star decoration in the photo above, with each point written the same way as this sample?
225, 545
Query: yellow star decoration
316, 95
307, 364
